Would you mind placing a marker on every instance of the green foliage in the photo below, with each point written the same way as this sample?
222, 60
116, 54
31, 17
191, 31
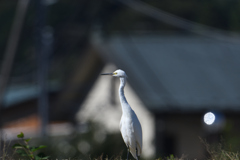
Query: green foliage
172, 157
25, 151
218, 152
21, 135
92, 142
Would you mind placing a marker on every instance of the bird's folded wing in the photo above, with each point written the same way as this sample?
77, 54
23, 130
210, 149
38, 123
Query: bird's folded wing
138, 133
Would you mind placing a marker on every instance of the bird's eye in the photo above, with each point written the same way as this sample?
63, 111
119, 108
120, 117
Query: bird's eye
115, 73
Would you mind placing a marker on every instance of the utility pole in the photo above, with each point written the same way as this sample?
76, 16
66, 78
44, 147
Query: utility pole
43, 43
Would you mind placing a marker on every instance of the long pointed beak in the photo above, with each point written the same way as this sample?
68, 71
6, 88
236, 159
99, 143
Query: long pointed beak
105, 74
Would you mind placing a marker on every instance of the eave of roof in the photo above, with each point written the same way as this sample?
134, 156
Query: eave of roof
20, 93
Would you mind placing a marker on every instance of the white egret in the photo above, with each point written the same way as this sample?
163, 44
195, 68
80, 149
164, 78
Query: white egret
130, 126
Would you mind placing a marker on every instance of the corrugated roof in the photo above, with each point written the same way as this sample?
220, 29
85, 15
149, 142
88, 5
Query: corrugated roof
186, 73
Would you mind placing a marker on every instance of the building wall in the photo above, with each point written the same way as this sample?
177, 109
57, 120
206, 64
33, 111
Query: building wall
182, 134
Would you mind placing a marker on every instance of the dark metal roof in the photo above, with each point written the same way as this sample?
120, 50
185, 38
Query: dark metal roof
188, 73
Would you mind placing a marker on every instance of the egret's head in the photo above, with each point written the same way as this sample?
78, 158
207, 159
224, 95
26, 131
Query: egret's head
117, 73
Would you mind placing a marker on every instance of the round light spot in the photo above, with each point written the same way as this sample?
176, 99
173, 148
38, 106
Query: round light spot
84, 147
209, 118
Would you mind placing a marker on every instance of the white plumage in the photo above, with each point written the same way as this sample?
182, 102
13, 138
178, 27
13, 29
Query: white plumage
130, 126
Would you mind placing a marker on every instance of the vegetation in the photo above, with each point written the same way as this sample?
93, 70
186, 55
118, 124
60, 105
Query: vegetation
219, 152
23, 150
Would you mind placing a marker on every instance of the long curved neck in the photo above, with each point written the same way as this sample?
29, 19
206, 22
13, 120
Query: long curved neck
124, 103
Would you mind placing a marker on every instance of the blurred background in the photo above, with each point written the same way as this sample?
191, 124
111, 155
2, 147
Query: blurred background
182, 59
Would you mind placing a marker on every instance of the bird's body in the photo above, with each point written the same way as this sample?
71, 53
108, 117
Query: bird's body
131, 135
130, 126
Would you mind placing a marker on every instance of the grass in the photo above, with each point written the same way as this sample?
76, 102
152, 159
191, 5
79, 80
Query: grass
219, 153
5, 153
216, 152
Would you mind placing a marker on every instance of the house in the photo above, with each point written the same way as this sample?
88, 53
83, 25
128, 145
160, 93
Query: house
178, 79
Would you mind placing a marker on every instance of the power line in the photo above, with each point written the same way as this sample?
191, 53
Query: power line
182, 23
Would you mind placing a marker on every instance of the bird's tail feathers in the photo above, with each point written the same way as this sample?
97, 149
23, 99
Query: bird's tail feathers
139, 149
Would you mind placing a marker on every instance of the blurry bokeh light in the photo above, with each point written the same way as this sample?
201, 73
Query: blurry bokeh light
209, 118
